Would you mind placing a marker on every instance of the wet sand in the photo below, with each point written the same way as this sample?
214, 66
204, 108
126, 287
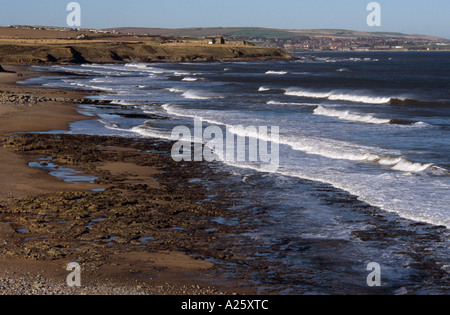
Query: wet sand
130, 230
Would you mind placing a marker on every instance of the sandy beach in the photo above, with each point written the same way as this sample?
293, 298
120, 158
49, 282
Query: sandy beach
126, 229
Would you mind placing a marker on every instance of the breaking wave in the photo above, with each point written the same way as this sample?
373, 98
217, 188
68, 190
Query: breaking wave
190, 79
345, 151
339, 96
174, 90
329, 148
346, 115
364, 118
276, 72
200, 95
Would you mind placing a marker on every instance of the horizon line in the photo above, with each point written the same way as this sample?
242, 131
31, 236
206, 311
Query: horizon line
239, 27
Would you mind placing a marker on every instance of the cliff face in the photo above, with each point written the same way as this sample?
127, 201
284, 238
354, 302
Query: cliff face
114, 52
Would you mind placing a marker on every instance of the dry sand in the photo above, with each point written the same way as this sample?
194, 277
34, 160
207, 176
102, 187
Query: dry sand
43, 116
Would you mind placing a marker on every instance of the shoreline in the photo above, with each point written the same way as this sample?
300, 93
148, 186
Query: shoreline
37, 267
182, 228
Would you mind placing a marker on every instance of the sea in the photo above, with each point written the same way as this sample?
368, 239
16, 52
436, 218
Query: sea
364, 156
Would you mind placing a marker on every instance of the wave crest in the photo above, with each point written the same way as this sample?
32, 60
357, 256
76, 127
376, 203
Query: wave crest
339, 96
200, 95
328, 148
364, 118
190, 79
276, 72
346, 115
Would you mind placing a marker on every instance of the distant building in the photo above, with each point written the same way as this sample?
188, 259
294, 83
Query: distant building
213, 40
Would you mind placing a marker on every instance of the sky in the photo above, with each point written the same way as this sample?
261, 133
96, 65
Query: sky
407, 16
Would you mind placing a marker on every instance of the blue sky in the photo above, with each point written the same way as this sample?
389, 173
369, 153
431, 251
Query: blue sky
407, 16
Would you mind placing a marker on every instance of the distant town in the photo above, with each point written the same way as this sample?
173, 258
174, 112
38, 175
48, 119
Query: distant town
351, 44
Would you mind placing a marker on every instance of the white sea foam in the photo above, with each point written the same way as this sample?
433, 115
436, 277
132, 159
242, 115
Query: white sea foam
422, 124
390, 192
155, 71
364, 118
398, 163
94, 87
147, 131
99, 80
200, 95
304, 93
243, 132
263, 89
339, 96
358, 98
137, 65
347, 115
276, 72
290, 104
329, 148
123, 102
195, 95
405, 165
347, 151
178, 73
174, 90
190, 79
176, 111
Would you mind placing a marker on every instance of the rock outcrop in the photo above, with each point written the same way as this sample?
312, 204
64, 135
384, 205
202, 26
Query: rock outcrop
114, 52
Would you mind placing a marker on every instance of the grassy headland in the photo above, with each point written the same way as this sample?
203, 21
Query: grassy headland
31, 47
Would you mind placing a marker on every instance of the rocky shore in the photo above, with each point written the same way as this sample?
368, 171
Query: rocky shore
138, 225
30, 100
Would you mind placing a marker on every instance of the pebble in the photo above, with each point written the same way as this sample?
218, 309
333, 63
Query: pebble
28, 286
25, 99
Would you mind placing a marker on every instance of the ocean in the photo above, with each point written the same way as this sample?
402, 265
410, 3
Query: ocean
361, 136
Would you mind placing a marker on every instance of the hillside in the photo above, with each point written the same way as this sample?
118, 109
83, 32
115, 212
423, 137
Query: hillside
308, 39
253, 32
45, 45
